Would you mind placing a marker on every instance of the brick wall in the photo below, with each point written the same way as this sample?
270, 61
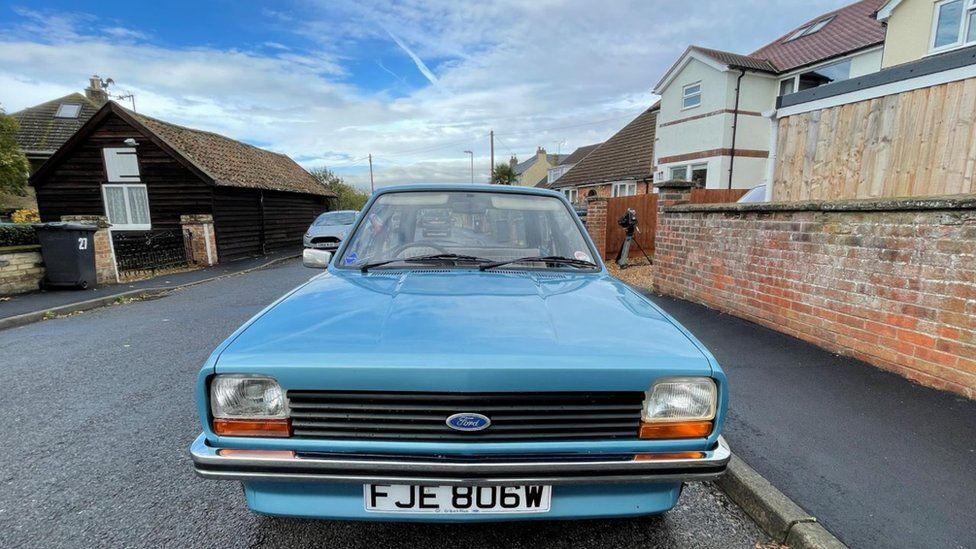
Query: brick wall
596, 223
106, 270
892, 283
21, 270
198, 231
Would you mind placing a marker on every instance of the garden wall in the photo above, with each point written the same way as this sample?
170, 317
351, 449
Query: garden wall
21, 269
890, 282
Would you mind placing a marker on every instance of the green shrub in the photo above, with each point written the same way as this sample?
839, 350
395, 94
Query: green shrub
17, 235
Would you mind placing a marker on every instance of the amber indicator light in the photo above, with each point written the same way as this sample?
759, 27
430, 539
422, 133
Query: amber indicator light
252, 427
677, 429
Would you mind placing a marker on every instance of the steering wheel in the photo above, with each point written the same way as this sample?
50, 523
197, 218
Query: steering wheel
398, 252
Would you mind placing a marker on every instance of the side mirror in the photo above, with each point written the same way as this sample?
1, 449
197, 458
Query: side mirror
316, 259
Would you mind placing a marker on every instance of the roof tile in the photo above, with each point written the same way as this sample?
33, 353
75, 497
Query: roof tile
627, 155
41, 132
851, 28
232, 163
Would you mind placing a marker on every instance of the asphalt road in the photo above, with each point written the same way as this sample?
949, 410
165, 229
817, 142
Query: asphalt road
880, 461
97, 415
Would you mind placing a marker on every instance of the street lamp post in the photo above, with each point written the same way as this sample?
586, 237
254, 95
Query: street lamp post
472, 165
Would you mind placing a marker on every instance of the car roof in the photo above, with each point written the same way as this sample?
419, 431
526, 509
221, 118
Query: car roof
455, 187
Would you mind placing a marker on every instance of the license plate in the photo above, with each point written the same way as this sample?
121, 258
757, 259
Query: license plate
404, 498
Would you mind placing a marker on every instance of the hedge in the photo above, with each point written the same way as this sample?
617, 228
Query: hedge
17, 235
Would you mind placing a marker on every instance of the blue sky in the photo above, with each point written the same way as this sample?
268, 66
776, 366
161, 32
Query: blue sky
415, 83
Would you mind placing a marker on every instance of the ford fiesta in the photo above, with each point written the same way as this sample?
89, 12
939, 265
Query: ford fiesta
465, 356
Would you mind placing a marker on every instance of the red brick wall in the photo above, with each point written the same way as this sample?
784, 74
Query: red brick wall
891, 283
596, 223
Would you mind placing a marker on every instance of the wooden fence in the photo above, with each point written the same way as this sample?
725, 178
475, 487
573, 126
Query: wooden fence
920, 142
646, 207
716, 196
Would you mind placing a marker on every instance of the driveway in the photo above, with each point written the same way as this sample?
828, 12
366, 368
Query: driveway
880, 461
98, 415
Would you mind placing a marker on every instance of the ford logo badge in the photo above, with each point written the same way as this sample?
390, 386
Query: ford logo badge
468, 422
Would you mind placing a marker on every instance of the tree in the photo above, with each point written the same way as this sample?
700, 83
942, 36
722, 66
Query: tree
350, 198
14, 167
503, 175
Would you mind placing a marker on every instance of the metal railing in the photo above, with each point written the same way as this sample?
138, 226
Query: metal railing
143, 253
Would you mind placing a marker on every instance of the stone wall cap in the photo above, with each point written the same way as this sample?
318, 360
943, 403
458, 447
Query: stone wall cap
596, 199
99, 221
196, 218
677, 184
916, 203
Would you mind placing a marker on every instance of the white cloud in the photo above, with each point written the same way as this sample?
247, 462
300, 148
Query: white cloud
536, 72
421, 66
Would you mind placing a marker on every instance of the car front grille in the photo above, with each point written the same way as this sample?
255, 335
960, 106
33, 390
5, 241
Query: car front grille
325, 241
423, 416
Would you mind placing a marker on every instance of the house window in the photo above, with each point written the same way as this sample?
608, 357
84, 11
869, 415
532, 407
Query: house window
68, 110
834, 72
824, 74
127, 206
809, 29
695, 172
679, 173
691, 95
954, 24
699, 173
623, 189
572, 195
121, 165
786, 86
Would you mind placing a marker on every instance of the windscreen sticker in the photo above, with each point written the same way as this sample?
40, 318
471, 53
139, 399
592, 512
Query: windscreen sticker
581, 256
351, 258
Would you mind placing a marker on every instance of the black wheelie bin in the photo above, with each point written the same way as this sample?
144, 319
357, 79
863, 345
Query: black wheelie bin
68, 250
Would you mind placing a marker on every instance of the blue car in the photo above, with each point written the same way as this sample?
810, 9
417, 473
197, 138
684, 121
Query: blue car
489, 370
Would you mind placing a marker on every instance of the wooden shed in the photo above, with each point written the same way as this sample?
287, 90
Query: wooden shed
144, 175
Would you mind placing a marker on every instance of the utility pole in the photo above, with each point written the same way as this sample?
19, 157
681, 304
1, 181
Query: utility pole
491, 168
472, 165
372, 189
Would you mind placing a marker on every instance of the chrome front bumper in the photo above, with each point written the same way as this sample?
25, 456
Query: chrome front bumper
434, 470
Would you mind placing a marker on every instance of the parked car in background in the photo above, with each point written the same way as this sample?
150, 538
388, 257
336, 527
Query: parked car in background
328, 229
494, 371
753, 195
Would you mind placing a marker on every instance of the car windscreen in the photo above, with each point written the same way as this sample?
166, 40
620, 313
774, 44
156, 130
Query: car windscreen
496, 226
335, 218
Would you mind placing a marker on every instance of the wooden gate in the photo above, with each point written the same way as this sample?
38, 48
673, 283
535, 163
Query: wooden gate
646, 207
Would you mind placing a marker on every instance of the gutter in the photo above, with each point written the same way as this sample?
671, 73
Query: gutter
771, 159
735, 123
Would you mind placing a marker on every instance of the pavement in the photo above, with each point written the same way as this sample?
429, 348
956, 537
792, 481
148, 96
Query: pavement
878, 460
42, 301
98, 415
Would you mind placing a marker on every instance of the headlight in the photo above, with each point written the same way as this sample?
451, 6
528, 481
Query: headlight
681, 399
247, 397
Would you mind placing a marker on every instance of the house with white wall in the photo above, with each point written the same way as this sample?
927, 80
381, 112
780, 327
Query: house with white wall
715, 124
921, 28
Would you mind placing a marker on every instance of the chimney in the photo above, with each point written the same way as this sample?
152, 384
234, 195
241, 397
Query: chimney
95, 92
513, 161
540, 153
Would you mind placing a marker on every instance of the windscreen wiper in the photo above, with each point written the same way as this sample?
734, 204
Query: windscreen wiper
540, 259
455, 258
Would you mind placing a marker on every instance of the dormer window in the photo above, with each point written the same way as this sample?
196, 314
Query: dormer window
68, 110
954, 24
809, 29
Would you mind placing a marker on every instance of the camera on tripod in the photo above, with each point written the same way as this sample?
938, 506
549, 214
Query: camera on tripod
629, 221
